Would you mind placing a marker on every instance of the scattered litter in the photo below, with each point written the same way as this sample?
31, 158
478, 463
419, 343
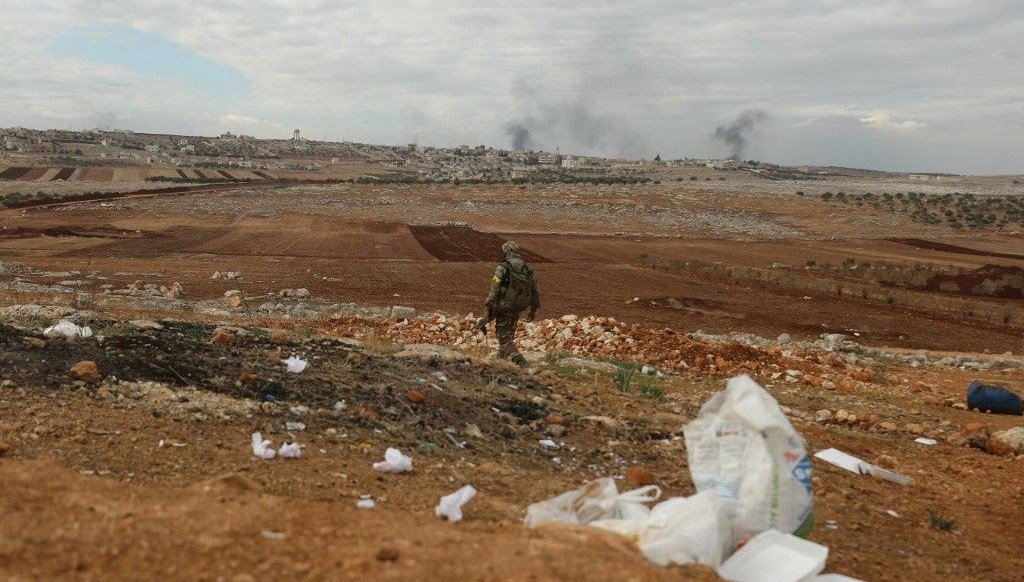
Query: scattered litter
366, 502
68, 330
272, 535
926, 441
261, 448
394, 462
742, 448
599, 499
892, 513
290, 451
450, 506
548, 444
773, 556
995, 399
857, 465
295, 426
299, 410
681, 530
295, 364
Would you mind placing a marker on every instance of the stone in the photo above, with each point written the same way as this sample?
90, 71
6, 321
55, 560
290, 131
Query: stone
1012, 439
35, 343
822, 416
104, 392
280, 337
415, 396
174, 291
930, 399
784, 338
887, 426
974, 434
828, 385
4, 447
232, 293
473, 431
387, 554
401, 312
605, 421
432, 352
222, 336
914, 428
842, 415
86, 370
234, 301
556, 430
639, 476
555, 419
248, 377
887, 462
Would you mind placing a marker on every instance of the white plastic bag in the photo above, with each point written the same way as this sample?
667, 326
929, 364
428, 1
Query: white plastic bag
680, 531
68, 330
290, 451
742, 448
296, 364
261, 448
394, 462
599, 499
450, 506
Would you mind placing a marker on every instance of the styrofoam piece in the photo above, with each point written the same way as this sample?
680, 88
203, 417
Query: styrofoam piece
394, 462
835, 578
840, 459
295, 364
450, 506
773, 556
926, 441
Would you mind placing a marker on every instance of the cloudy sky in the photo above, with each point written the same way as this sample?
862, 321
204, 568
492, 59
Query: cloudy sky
926, 85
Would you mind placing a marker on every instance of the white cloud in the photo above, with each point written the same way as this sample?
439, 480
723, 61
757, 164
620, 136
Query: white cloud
884, 122
663, 73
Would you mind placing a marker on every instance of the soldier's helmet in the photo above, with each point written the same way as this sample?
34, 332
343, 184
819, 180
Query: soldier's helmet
509, 247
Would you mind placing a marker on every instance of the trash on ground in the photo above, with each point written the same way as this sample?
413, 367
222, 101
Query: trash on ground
995, 399
926, 441
742, 448
261, 448
548, 444
680, 530
861, 467
450, 506
290, 451
773, 556
599, 499
366, 502
394, 462
296, 364
68, 330
295, 426
892, 513
272, 535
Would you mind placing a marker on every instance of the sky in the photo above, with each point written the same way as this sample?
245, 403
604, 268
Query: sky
908, 85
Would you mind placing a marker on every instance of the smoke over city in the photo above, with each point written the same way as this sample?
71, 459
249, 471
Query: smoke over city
550, 122
735, 135
520, 135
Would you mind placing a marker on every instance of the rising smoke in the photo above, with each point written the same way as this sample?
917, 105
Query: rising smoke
570, 123
520, 135
736, 134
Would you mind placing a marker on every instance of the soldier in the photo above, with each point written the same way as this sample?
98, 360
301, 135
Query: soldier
513, 289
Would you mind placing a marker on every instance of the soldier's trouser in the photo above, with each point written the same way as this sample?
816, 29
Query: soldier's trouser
505, 329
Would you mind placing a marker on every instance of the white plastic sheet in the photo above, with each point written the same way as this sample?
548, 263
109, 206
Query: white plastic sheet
261, 448
66, 329
450, 506
290, 451
296, 364
394, 462
680, 530
742, 448
599, 499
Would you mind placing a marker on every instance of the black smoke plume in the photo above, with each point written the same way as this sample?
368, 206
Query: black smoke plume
735, 135
520, 135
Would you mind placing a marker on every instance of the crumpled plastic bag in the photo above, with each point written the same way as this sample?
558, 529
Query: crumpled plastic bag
742, 448
261, 448
599, 499
394, 462
450, 506
290, 451
680, 530
66, 329
295, 364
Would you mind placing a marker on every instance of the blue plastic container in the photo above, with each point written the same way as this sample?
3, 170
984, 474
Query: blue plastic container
994, 399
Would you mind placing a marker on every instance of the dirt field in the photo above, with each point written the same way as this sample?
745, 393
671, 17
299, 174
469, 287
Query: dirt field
90, 492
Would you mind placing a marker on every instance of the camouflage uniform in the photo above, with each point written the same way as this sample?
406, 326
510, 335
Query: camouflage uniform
506, 315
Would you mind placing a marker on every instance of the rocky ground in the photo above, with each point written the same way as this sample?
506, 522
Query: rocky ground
131, 449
